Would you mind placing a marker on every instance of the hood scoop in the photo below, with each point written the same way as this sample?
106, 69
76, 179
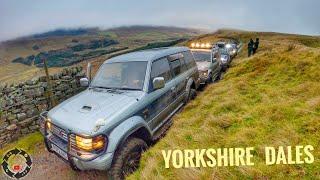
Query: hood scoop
86, 109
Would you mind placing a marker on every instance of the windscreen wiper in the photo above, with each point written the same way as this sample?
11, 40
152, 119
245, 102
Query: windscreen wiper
134, 89
101, 87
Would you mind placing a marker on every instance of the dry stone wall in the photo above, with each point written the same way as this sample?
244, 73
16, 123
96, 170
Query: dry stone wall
21, 104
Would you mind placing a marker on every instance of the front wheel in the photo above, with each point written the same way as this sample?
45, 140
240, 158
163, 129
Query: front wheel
127, 158
191, 95
218, 77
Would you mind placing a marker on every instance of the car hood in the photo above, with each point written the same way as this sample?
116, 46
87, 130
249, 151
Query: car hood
80, 113
203, 66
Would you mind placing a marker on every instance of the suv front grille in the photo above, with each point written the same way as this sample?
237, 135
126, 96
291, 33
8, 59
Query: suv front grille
59, 132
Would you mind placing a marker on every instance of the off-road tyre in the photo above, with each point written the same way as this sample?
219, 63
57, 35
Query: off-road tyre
192, 94
127, 158
218, 77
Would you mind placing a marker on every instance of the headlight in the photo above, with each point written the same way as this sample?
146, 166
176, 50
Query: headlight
203, 73
90, 144
223, 59
228, 45
48, 125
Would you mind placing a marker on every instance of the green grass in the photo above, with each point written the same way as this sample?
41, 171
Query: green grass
270, 99
28, 143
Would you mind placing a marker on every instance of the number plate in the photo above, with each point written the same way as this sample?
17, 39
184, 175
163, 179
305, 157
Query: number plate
56, 149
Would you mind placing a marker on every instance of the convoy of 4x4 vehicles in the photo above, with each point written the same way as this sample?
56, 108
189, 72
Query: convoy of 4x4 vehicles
127, 106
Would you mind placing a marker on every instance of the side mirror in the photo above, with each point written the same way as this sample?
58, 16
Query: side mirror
84, 82
158, 83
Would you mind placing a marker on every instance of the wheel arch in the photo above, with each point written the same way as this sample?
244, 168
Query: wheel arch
131, 127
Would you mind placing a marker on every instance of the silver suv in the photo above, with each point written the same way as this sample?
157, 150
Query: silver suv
208, 63
126, 107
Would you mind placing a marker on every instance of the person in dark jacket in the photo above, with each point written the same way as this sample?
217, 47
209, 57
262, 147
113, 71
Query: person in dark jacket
250, 47
256, 46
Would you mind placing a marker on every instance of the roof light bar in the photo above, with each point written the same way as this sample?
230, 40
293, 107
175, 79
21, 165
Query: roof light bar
200, 45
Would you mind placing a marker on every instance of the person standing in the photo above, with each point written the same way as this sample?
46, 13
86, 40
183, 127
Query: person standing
250, 47
256, 46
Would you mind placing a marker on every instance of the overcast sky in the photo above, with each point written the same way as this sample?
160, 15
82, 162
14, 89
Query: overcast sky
24, 17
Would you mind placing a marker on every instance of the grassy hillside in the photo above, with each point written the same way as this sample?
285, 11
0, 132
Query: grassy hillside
270, 99
131, 37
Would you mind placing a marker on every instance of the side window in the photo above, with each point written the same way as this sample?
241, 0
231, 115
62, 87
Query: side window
176, 67
161, 68
189, 59
183, 64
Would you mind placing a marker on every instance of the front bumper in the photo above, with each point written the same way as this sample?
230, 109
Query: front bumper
102, 162
203, 78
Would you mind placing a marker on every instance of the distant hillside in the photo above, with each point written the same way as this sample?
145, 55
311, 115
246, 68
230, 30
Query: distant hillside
269, 99
64, 47
65, 32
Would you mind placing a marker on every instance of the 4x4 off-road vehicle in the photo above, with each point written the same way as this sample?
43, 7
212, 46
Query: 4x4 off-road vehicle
208, 62
125, 107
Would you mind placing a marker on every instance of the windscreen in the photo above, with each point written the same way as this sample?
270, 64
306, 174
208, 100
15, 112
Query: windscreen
201, 55
121, 75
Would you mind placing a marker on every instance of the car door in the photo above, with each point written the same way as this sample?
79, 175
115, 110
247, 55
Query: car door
191, 65
160, 106
178, 69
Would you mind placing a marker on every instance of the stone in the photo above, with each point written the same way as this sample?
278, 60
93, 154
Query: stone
3, 137
19, 98
11, 117
58, 93
3, 126
16, 110
9, 102
12, 127
27, 107
44, 84
56, 77
28, 93
32, 112
15, 121
15, 136
21, 116
62, 87
39, 92
24, 131
27, 121
43, 79
34, 127
66, 77
29, 82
